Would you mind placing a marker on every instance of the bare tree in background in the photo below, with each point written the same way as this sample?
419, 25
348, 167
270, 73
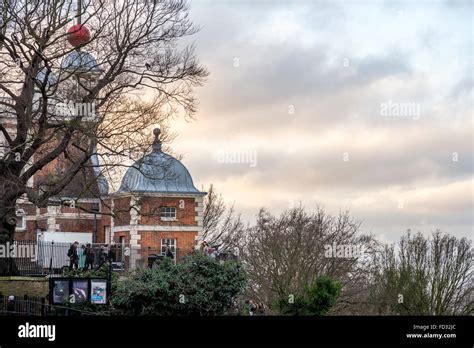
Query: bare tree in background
136, 48
221, 225
424, 276
284, 253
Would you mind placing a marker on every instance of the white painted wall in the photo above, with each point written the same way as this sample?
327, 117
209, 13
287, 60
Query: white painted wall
65, 237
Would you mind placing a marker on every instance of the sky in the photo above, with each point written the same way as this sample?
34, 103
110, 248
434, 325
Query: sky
363, 106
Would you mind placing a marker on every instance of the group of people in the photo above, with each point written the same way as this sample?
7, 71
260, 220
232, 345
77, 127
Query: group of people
209, 250
85, 256
216, 253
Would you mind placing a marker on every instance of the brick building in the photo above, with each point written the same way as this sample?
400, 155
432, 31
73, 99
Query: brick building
157, 203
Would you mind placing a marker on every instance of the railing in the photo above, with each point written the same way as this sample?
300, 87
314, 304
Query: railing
48, 258
25, 306
37, 306
152, 256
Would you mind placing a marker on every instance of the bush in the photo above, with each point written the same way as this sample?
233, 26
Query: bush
316, 299
101, 272
199, 285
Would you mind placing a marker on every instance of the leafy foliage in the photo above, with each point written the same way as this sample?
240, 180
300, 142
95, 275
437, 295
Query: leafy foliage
101, 272
198, 286
317, 298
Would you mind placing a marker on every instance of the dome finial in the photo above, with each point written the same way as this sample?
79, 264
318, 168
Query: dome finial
157, 141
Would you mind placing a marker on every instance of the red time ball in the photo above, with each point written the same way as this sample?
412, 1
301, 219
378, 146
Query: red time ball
78, 35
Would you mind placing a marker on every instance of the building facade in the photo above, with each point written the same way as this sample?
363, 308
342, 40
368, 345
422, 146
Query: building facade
156, 206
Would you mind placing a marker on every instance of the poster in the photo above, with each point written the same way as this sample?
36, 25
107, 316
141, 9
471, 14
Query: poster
60, 291
80, 291
98, 291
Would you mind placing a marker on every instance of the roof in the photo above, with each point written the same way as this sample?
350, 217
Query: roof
158, 172
79, 61
41, 76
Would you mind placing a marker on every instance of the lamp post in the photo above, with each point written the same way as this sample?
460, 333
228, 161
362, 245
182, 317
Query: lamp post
51, 258
95, 209
94, 230
79, 11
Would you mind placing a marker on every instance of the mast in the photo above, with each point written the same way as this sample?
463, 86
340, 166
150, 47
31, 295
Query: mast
79, 11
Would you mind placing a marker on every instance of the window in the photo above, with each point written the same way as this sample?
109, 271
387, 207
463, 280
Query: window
171, 243
122, 240
108, 235
168, 213
21, 219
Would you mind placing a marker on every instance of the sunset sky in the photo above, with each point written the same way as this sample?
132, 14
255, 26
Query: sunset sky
301, 85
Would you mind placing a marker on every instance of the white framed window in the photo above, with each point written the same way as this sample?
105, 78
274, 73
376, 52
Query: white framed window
108, 235
20, 219
172, 244
168, 213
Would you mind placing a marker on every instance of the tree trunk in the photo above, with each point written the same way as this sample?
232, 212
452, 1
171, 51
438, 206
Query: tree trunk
8, 222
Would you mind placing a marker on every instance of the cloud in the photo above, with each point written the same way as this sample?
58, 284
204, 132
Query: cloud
301, 85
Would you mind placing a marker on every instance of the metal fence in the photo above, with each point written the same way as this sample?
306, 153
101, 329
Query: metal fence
153, 256
33, 258
25, 306
37, 306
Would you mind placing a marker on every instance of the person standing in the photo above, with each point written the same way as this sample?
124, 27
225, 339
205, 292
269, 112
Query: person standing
89, 252
168, 252
204, 247
11, 305
73, 256
111, 253
104, 253
82, 256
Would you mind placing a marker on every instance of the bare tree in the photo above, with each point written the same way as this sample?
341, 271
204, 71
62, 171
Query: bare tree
424, 276
133, 52
221, 225
283, 254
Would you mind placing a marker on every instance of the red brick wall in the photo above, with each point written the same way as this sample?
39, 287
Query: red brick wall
150, 211
100, 237
106, 220
126, 234
81, 185
29, 233
185, 241
29, 208
81, 208
51, 168
105, 210
122, 211
75, 225
42, 224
